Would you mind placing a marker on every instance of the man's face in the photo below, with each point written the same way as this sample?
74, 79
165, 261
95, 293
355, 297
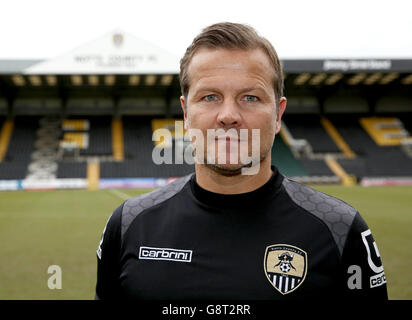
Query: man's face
232, 90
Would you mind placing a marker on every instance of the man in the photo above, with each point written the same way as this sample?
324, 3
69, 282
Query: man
222, 232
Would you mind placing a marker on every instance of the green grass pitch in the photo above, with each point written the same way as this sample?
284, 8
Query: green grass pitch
43, 228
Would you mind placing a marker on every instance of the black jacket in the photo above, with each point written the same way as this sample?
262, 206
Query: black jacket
281, 241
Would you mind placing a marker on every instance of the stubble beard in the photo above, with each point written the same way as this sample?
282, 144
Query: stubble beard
235, 171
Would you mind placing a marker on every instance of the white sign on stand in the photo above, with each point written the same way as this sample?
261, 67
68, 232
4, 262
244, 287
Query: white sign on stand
115, 53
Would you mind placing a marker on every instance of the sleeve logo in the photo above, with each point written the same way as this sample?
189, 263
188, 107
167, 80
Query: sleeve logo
373, 259
371, 248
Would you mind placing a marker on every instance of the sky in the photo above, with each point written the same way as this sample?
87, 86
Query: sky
44, 29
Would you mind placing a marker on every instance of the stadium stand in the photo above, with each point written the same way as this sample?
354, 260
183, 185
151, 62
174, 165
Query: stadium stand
407, 143
322, 139
4, 141
407, 121
309, 127
17, 157
100, 136
372, 160
285, 161
138, 143
71, 169
89, 106
3, 107
132, 169
310, 144
138, 146
316, 167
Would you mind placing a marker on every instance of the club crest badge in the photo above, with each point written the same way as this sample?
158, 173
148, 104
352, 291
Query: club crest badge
285, 267
118, 40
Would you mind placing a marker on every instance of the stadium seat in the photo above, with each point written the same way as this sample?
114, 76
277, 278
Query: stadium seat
21, 145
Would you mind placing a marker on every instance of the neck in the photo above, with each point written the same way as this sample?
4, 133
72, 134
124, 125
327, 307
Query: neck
211, 180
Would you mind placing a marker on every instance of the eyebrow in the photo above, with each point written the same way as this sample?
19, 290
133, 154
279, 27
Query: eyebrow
252, 89
211, 89
207, 89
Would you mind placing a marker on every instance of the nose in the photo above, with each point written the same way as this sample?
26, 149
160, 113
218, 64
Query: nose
229, 115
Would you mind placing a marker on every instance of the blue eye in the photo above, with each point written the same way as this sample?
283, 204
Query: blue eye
251, 98
210, 97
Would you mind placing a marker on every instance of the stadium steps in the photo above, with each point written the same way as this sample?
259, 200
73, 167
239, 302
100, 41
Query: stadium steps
336, 168
337, 138
43, 165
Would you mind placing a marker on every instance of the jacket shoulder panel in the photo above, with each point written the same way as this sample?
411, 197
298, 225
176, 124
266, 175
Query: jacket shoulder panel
335, 213
133, 207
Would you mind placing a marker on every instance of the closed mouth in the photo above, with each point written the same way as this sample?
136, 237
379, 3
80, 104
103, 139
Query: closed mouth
228, 139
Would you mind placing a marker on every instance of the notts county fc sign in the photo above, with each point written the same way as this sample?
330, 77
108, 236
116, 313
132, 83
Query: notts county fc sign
114, 53
285, 267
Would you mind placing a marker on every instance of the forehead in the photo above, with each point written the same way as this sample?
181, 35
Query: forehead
210, 63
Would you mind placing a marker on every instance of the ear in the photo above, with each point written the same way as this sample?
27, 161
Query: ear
183, 105
281, 110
